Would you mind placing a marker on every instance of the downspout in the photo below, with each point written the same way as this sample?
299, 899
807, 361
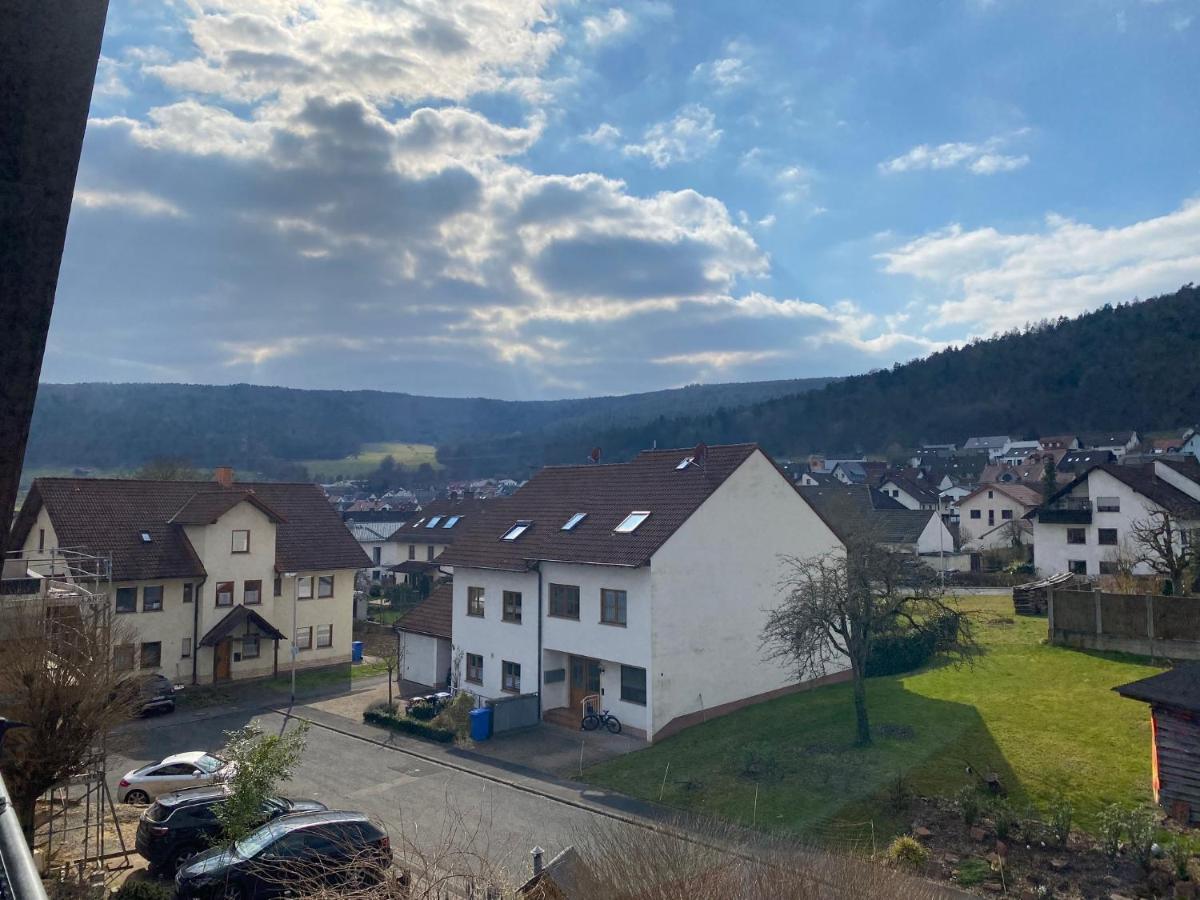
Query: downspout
196, 627
538, 565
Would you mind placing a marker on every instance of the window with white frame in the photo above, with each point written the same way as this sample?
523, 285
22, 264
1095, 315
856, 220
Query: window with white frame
632, 521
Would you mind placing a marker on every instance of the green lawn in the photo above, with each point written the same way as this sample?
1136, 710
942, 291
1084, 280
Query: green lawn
1043, 717
369, 457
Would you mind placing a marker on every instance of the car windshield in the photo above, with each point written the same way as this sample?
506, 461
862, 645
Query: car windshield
209, 764
254, 843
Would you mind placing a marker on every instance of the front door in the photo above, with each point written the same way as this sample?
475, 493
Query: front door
221, 653
585, 679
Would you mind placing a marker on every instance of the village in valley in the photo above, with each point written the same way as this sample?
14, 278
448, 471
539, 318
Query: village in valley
599, 450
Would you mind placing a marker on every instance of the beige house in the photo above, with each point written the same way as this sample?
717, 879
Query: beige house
992, 516
220, 580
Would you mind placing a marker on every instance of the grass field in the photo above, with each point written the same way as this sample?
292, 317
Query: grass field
1045, 718
369, 457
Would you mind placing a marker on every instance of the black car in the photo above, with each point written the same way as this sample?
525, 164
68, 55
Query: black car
179, 825
290, 855
154, 693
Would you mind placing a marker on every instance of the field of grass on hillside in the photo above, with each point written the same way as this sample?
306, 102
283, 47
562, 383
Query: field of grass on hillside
368, 458
1044, 718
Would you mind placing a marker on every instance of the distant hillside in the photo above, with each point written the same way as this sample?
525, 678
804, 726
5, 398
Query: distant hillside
1134, 365
120, 426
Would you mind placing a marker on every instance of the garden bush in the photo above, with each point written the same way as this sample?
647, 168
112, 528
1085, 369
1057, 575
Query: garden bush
1139, 828
1111, 823
910, 648
969, 804
406, 725
908, 853
1059, 821
456, 716
1004, 819
757, 762
139, 889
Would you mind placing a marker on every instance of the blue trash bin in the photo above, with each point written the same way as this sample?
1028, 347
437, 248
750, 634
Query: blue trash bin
356, 651
481, 723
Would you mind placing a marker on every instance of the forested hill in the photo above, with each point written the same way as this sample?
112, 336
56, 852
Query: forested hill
123, 425
1135, 365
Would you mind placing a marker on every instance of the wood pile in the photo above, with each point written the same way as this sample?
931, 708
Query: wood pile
1032, 598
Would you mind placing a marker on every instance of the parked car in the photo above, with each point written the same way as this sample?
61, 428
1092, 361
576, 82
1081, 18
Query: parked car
175, 773
338, 848
156, 693
182, 824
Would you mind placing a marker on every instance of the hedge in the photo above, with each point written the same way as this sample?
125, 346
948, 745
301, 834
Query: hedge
408, 726
894, 654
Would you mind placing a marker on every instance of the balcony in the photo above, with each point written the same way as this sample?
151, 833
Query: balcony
1068, 511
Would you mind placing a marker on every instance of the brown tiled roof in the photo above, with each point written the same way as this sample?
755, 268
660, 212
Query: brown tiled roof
607, 493
1022, 493
433, 615
107, 516
206, 506
467, 509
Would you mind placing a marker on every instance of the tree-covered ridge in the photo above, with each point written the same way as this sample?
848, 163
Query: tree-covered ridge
122, 426
1131, 365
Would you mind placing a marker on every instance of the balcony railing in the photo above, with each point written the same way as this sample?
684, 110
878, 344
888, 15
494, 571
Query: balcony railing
1068, 511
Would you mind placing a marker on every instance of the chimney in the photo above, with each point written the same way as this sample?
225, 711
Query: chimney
223, 476
537, 853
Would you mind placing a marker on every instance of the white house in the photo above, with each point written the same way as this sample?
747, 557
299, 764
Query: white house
420, 542
992, 515
375, 538
1019, 451
1085, 527
212, 577
995, 445
1116, 442
645, 583
911, 493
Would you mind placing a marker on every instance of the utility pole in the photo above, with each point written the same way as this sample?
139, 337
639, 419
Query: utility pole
295, 576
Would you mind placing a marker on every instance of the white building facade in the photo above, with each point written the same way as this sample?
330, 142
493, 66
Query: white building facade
661, 640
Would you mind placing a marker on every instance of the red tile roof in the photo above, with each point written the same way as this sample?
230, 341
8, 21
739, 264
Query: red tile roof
433, 615
607, 493
108, 515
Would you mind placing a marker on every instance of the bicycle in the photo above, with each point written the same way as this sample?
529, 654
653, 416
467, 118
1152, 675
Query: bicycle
594, 720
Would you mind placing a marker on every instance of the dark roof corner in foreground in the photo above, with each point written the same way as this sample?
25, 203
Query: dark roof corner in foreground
1178, 687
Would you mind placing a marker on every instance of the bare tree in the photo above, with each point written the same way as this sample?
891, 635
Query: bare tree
456, 664
1169, 550
388, 646
834, 607
58, 677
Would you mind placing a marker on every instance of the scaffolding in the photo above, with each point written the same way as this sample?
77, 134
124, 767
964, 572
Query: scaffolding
72, 586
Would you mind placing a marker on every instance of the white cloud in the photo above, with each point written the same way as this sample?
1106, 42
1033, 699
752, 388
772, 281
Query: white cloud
992, 280
598, 29
603, 135
727, 72
720, 360
981, 159
137, 202
691, 134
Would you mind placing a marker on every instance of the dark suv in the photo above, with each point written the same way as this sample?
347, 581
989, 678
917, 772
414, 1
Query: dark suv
151, 693
298, 854
182, 824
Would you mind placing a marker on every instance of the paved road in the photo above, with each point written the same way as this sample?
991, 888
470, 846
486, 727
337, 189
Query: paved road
424, 801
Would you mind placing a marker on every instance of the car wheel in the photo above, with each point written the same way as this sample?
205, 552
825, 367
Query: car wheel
137, 797
180, 859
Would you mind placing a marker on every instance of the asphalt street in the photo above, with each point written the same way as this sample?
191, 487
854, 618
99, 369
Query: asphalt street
429, 804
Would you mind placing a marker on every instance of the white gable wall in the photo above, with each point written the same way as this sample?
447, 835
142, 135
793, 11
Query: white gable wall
713, 583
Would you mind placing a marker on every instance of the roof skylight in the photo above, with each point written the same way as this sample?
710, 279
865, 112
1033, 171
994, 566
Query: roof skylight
632, 521
432, 523
451, 521
573, 521
146, 537
684, 463
518, 529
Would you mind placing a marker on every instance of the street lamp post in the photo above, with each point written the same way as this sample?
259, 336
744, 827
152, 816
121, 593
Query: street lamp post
295, 603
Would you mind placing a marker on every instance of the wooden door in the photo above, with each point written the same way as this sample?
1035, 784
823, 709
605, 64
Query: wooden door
585, 680
221, 654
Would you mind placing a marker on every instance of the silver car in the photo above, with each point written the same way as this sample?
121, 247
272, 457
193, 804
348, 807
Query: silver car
175, 773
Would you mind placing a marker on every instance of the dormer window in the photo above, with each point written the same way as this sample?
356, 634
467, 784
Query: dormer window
451, 521
432, 523
573, 521
146, 539
518, 529
632, 521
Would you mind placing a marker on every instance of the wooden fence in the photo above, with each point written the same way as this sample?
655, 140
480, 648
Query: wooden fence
1145, 624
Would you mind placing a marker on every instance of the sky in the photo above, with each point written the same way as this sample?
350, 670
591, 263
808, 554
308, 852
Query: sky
533, 199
